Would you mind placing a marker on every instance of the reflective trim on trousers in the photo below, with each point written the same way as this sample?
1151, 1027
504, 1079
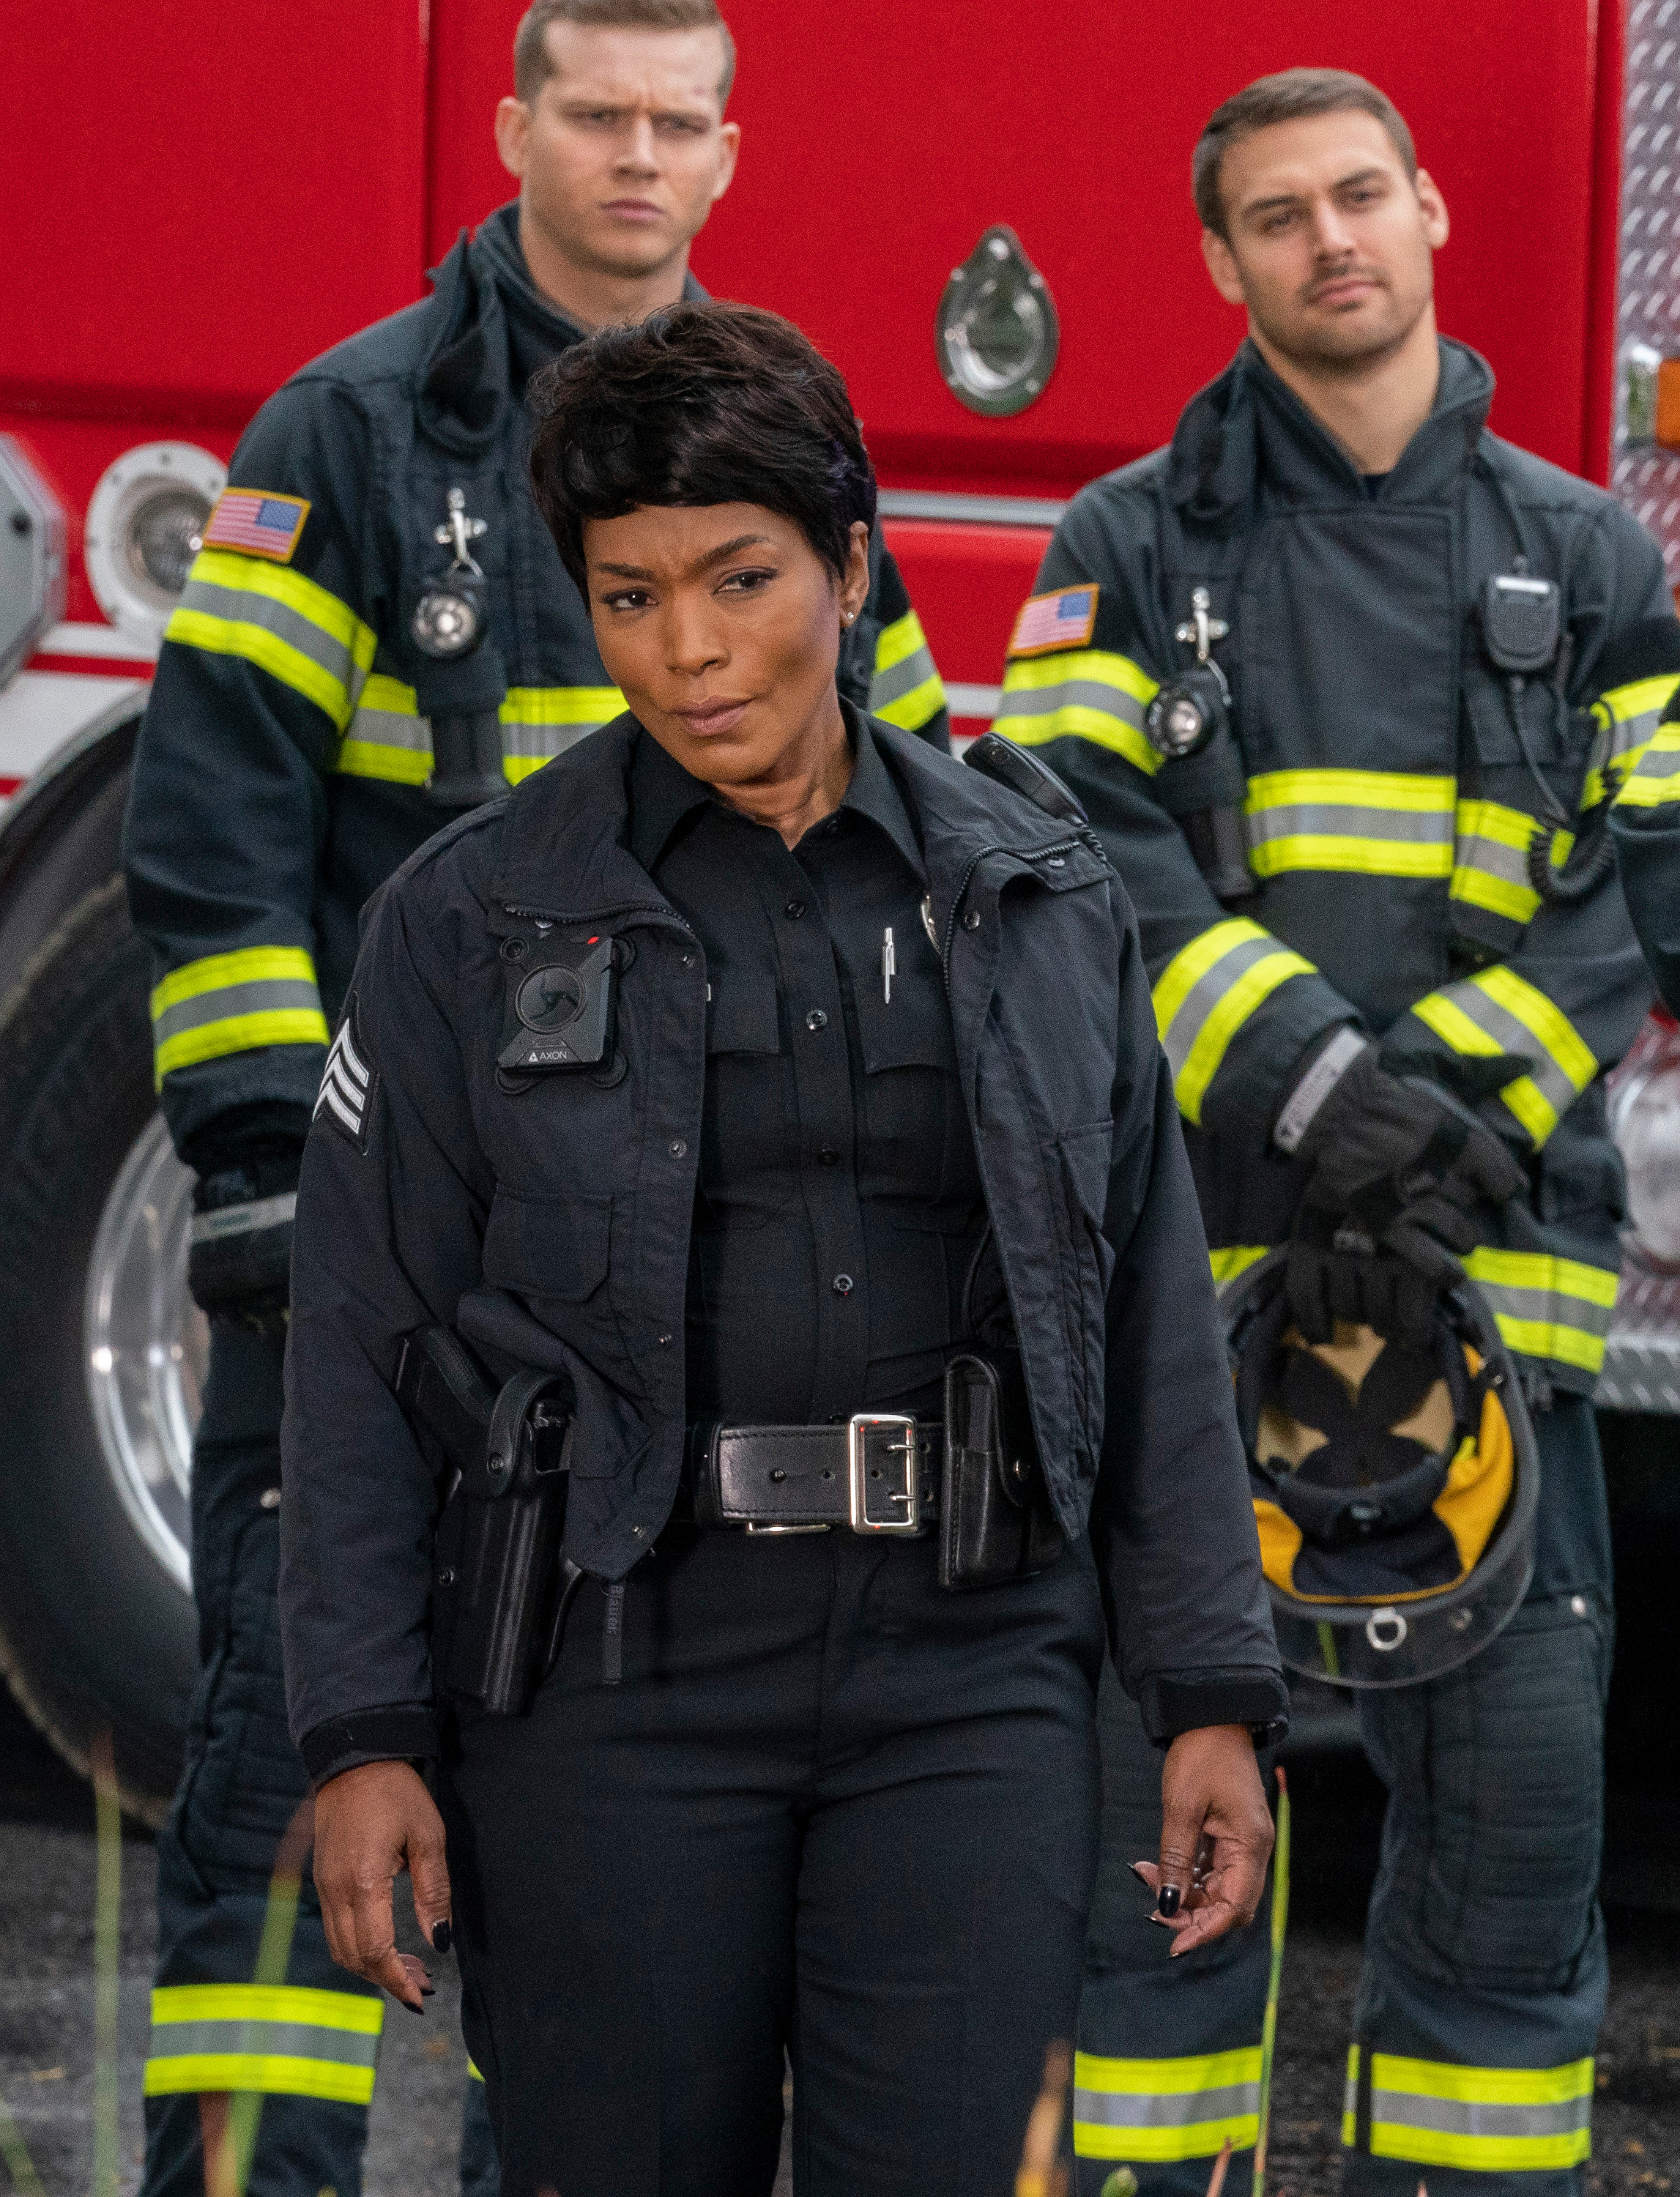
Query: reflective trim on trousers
276, 619
1378, 823
1547, 1306
1087, 694
273, 2038
1434, 2112
1160, 2110
259, 995
905, 689
1208, 991
1498, 1011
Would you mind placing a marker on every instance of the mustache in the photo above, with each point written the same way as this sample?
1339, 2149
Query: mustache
1342, 273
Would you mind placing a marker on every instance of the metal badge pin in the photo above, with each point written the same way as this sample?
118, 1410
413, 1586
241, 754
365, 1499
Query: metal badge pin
1198, 630
451, 617
927, 921
888, 965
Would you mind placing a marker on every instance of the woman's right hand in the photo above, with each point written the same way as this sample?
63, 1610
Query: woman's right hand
370, 1823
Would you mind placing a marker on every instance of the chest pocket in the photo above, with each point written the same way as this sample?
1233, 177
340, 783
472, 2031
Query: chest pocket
749, 1146
914, 1146
559, 1247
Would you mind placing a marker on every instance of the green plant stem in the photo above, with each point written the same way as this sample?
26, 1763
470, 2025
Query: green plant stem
108, 1913
274, 1957
1280, 1923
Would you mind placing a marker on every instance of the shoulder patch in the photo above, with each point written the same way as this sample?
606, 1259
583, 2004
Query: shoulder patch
1066, 619
251, 520
348, 1086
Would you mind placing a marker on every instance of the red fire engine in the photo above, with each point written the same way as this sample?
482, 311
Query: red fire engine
981, 212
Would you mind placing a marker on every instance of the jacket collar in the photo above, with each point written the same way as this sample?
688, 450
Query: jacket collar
1249, 435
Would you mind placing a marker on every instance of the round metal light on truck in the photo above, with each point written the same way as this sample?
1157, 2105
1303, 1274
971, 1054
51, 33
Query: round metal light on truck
997, 333
143, 527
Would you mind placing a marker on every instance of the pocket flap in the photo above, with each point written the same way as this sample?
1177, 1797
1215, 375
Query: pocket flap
549, 1247
741, 1017
911, 1031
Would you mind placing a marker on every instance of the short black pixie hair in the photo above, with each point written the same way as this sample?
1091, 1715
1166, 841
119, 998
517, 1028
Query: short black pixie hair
699, 404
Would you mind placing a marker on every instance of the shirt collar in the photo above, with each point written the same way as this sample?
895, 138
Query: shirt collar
662, 794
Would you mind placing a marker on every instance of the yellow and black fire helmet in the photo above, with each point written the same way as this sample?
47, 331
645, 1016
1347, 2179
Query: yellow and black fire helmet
1394, 1484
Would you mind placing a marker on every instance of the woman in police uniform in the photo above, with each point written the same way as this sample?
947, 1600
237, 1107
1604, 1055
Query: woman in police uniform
766, 1115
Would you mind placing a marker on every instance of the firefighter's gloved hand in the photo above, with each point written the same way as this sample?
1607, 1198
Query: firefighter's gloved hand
238, 1266
1405, 1181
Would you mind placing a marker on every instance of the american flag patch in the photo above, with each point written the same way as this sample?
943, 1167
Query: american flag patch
346, 1088
258, 525
1064, 620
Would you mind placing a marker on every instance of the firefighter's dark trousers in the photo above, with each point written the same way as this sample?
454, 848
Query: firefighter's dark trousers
294, 2038
1484, 1979
830, 1811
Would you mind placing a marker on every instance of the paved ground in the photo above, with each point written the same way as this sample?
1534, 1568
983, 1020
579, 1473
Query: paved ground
47, 1875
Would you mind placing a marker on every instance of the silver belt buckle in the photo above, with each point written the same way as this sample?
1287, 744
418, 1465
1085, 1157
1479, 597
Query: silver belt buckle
869, 1456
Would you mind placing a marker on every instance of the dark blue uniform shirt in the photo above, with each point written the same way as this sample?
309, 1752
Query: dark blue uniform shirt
839, 1206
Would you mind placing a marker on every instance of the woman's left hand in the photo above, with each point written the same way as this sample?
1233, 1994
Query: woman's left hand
1216, 1837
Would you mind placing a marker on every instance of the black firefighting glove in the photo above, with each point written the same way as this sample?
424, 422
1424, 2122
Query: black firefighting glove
1405, 1181
239, 1265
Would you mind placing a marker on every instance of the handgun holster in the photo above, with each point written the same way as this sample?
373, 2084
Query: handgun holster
995, 1522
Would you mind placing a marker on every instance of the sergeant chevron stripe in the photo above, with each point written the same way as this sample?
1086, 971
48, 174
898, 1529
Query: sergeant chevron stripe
1158, 2110
271, 2038
1489, 2120
345, 1084
1498, 1011
227, 1003
1628, 719
1656, 780
906, 689
1087, 694
1380, 823
276, 619
1208, 991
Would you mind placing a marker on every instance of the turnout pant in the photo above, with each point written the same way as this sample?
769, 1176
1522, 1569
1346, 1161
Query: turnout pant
829, 1811
1484, 1978
299, 2043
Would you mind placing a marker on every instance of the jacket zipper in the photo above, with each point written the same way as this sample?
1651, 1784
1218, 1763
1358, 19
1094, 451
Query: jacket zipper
1034, 855
600, 914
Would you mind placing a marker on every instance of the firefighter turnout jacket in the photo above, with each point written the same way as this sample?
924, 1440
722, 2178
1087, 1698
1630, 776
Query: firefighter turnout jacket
546, 1217
1388, 803
281, 766
1645, 825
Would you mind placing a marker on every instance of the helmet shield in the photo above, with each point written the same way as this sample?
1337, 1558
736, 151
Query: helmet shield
1394, 1487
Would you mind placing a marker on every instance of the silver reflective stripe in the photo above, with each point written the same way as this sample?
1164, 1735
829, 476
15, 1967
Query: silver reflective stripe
1073, 695
1164, 2109
273, 995
1329, 819
295, 2040
544, 742
1474, 2117
1516, 1038
900, 679
391, 729
245, 607
1205, 995
245, 1220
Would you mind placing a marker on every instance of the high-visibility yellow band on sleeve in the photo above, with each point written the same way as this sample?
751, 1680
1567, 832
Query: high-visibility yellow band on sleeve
1208, 991
906, 688
227, 1003
1091, 694
1497, 1011
278, 620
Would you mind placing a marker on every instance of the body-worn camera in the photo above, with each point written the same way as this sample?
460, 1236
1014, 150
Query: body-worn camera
563, 1007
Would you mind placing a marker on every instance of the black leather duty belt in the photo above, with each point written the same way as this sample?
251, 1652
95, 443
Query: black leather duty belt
879, 1473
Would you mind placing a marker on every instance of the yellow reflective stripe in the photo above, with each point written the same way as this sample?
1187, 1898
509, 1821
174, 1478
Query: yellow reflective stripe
902, 637
258, 995
387, 737
1628, 718
1375, 822
1092, 694
914, 710
1656, 778
1498, 1011
1208, 991
540, 722
1231, 1259
1490, 860
276, 619
1482, 2119
1161, 2110
475, 2074
272, 2074
1547, 1306
905, 689
325, 2009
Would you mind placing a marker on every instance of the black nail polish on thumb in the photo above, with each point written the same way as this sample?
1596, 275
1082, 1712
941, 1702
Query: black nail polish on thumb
1168, 1900
440, 1935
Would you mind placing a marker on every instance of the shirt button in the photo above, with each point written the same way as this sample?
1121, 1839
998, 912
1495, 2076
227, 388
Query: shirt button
841, 1285
678, 1146
829, 1156
664, 1342
689, 960
971, 920
794, 910
816, 1020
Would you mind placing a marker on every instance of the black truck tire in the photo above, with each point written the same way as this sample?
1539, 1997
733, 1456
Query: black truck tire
97, 1633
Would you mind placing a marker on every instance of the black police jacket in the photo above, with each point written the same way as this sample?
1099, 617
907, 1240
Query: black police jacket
550, 1226
282, 764
1387, 803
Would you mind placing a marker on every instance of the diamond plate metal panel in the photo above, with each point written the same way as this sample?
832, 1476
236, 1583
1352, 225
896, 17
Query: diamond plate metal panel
1647, 481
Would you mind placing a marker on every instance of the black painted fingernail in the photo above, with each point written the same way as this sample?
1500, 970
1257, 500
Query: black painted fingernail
413, 2009
440, 1935
1168, 1899
1159, 1921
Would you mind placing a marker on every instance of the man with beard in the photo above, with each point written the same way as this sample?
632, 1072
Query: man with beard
1346, 684
378, 634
